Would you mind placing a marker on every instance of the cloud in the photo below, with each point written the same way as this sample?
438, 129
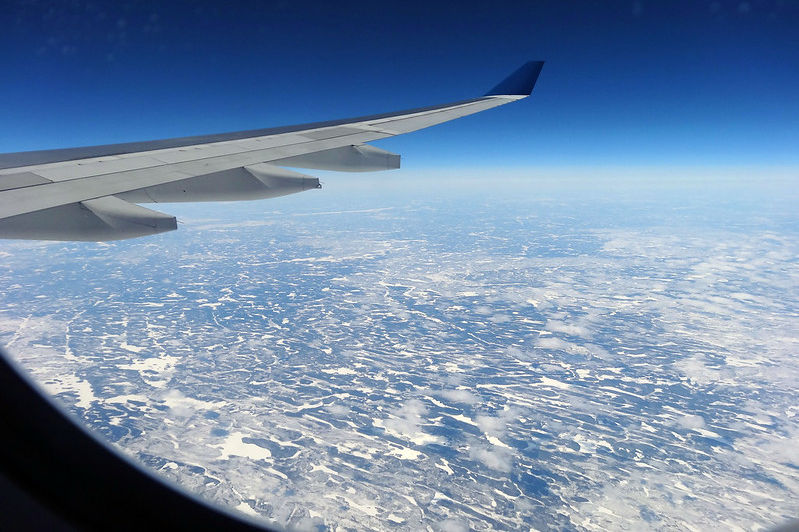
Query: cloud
452, 525
408, 418
460, 396
567, 328
551, 342
490, 423
691, 421
497, 425
338, 409
697, 370
498, 458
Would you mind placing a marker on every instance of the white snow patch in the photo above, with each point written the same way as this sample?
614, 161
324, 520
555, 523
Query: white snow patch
234, 446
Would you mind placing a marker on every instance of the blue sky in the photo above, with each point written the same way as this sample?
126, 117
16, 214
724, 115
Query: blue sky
657, 84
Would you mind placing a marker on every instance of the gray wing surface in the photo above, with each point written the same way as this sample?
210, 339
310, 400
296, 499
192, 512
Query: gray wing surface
93, 193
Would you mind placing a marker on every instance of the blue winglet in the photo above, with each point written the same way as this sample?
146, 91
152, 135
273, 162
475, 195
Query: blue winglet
521, 82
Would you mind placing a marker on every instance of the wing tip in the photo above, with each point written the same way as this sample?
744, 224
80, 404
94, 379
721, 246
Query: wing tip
520, 82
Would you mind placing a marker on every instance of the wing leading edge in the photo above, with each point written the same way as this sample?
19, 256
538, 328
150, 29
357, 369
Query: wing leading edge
91, 193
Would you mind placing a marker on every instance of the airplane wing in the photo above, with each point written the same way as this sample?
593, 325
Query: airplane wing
93, 193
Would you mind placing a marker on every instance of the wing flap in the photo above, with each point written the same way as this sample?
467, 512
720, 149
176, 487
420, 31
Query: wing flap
24, 179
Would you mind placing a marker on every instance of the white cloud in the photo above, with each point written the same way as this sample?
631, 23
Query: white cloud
567, 328
498, 458
490, 423
552, 342
452, 525
691, 421
497, 425
460, 396
338, 409
407, 418
697, 370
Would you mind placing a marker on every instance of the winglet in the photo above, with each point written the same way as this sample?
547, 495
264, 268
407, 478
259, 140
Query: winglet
520, 83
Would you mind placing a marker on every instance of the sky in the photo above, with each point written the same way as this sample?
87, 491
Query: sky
626, 84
